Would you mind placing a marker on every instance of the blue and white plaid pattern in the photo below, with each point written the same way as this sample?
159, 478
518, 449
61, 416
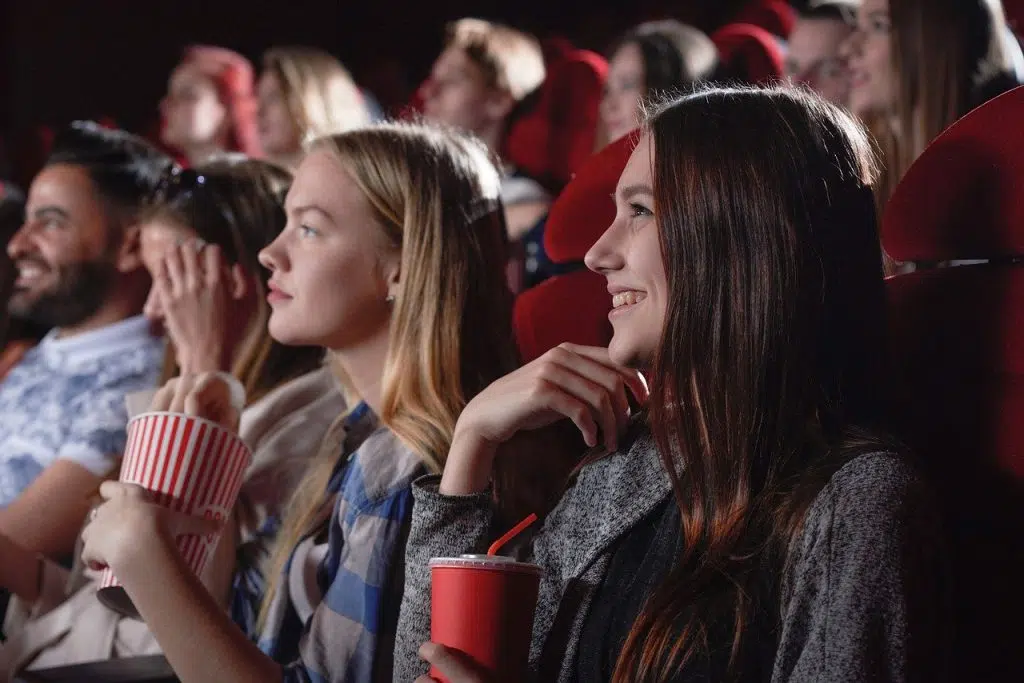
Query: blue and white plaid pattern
350, 635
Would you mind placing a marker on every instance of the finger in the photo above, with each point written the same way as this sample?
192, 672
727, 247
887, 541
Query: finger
181, 391
634, 380
557, 400
163, 397
192, 271
175, 273
116, 489
608, 406
453, 664
211, 398
213, 265
610, 380
89, 555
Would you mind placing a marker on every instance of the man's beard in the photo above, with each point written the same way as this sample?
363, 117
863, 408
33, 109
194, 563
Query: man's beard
80, 292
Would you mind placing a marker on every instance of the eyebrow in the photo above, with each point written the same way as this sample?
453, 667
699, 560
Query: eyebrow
297, 210
45, 211
630, 191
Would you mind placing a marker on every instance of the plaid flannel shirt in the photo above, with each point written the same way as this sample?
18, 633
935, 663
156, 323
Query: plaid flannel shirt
357, 588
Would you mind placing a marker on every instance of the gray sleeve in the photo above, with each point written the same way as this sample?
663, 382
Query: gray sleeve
864, 595
442, 526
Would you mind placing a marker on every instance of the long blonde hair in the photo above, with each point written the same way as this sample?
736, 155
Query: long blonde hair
321, 96
435, 194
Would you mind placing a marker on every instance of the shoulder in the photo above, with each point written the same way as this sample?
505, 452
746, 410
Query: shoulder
872, 507
869, 486
382, 468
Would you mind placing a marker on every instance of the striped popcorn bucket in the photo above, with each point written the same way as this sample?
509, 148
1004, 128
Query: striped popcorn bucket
189, 465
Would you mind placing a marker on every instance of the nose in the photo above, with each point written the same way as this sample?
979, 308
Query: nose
273, 257
850, 47
20, 242
605, 256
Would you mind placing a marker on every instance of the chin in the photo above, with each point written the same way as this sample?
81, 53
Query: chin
625, 353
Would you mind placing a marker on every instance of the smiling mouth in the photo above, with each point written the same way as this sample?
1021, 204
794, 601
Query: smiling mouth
29, 274
625, 299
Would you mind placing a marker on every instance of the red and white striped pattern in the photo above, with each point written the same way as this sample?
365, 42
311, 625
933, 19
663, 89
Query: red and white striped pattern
188, 464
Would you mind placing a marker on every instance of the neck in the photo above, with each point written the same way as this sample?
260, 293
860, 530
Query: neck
493, 136
364, 365
109, 314
125, 300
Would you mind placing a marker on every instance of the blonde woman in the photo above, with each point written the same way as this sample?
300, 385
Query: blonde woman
392, 258
304, 93
199, 240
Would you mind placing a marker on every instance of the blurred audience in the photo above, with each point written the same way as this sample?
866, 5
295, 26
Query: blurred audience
659, 58
80, 271
210, 105
485, 72
813, 55
919, 65
304, 93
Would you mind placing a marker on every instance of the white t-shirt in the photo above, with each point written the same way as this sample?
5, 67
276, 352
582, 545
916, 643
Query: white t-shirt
66, 399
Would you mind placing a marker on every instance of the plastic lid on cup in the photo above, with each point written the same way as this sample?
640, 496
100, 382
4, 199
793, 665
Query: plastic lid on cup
495, 562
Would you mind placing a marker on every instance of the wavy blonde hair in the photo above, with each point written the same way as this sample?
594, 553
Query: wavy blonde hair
435, 196
320, 94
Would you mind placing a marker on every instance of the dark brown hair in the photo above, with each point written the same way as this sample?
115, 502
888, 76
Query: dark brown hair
770, 352
948, 56
676, 56
238, 206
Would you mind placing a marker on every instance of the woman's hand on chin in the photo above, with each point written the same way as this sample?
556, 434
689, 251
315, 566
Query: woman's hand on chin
579, 383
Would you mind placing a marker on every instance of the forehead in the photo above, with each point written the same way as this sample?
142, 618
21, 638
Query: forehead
455, 62
627, 58
322, 181
870, 6
638, 169
817, 36
190, 75
65, 186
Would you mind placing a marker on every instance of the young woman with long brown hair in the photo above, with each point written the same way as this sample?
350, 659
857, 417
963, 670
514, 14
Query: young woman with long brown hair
919, 65
393, 260
746, 526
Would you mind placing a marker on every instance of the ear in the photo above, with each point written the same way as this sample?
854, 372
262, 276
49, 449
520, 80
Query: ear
238, 282
129, 253
392, 275
499, 104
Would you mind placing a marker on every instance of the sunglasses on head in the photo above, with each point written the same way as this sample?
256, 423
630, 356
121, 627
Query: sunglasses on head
188, 186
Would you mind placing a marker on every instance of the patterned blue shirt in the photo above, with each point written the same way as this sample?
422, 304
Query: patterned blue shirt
65, 400
335, 613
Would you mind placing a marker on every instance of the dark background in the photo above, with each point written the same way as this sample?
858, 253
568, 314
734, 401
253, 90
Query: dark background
67, 59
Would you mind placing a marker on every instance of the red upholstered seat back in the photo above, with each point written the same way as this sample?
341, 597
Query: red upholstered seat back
775, 16
750, 53
550, 141
958, 340
574, 307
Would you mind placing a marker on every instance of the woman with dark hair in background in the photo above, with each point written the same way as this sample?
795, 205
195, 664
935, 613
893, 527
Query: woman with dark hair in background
210, 105
665, 57
919, 65
750, 524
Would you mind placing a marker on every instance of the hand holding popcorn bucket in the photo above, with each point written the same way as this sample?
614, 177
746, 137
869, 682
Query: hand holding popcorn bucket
190, 465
